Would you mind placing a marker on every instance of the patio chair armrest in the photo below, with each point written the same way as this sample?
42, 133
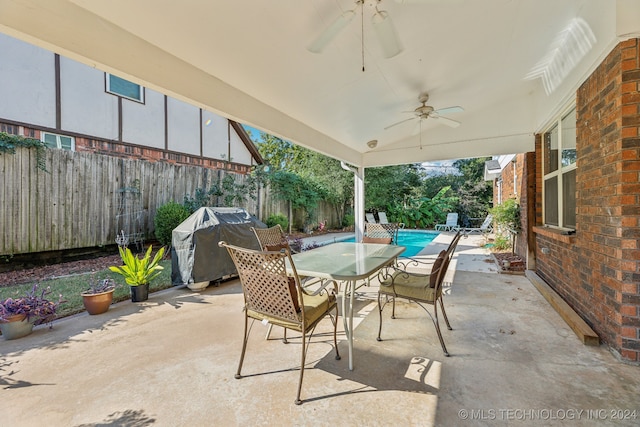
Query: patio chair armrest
392, 275
324, 287
405, 262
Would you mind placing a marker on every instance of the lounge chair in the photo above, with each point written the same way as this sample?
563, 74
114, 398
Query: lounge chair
451, 223
397, 282
370, 218
485, 228
272, 297
382, 216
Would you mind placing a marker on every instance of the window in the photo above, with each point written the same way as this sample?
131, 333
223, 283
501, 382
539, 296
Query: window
58, 141
124, 88
559, 170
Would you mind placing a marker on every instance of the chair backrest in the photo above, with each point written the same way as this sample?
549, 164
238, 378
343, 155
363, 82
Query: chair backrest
271, 238
370, 218
444, 265
380, 233
382, 217
265, 283
488, 222
452, 219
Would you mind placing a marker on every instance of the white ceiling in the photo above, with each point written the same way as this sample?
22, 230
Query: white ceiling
247, 60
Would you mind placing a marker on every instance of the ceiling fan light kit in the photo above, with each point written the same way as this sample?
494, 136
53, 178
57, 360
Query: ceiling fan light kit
425, 111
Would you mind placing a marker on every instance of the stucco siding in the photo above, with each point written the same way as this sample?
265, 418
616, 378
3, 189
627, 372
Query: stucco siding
85, 106
28, 89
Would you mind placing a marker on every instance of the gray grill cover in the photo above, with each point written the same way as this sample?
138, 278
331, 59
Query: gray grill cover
195, 254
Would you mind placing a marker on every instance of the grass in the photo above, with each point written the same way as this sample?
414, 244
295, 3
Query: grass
70, 287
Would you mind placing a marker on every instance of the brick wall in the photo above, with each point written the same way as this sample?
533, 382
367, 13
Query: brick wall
525, 173
139, 152
597, 271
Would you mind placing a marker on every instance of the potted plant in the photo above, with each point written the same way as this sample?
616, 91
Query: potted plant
19, 315
138, 272
99, 296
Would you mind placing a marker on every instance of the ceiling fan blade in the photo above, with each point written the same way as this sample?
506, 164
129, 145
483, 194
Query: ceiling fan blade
386, 33
400, 122
318, 45
449, 110
447, 121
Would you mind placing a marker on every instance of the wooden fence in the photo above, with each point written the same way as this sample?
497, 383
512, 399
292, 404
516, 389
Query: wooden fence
85, 199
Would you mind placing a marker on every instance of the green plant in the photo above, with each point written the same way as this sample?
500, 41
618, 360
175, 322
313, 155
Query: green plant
8, 144
278, 219
33, 305
507, 215
168, 217
501, 243
348, 220
99, 286
139, 271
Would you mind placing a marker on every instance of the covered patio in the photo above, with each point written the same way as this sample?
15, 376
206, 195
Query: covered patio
170, 361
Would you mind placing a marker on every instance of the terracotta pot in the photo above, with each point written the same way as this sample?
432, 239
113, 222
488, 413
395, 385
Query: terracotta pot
16, 326
97, 303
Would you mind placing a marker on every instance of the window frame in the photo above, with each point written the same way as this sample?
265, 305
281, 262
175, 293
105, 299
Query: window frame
110, 90
59, 146
561, 172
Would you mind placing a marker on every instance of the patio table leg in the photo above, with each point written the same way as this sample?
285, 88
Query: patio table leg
347, 316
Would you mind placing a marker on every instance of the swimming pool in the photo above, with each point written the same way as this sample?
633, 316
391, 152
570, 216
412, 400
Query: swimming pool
413, 240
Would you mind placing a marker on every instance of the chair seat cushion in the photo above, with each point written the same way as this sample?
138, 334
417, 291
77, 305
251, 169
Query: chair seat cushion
380, 240
315, 307
409, 286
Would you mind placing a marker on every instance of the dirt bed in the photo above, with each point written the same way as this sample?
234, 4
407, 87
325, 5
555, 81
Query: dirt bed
39, 274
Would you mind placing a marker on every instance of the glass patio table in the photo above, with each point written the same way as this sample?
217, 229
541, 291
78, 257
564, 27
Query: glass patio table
348, 263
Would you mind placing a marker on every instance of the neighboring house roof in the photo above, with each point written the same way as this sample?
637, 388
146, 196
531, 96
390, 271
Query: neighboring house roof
244, 136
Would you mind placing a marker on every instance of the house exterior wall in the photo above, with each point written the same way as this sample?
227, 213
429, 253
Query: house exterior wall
145, 123
167, 147
515, 182
72, 100
32, 90
597, 270
85, 108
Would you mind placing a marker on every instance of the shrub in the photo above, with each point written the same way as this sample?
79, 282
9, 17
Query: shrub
507, 215
167, 218
348, 220
278, 219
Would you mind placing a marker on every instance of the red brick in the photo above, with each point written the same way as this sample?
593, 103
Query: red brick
630, 355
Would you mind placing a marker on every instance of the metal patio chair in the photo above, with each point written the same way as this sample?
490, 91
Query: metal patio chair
272, 238
380, 233
423, 289
270, 295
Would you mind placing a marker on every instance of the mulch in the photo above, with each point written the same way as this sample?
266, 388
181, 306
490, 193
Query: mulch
48, 272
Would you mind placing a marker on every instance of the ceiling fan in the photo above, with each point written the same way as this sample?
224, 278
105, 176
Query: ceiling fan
428, 112
382, 25
425, 111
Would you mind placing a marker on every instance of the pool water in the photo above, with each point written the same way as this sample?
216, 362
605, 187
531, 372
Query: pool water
414, 241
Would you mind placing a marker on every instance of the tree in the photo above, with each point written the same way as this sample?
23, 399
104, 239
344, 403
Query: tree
389, 185
476, 194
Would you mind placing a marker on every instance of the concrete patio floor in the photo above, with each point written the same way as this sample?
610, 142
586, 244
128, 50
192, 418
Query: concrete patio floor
171, 362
